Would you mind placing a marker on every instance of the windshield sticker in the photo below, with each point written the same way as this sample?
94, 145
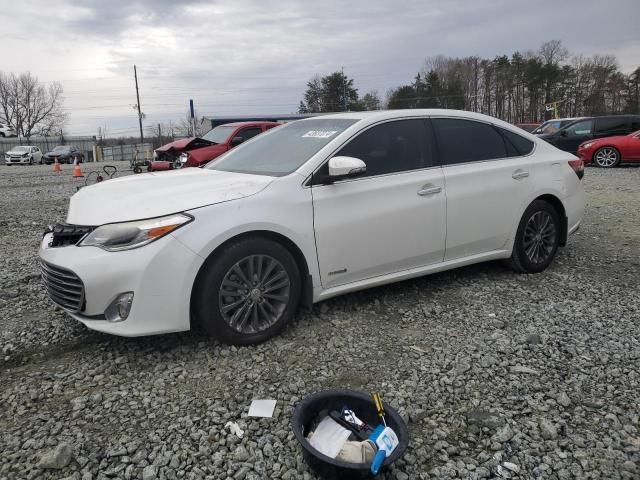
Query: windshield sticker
319, 133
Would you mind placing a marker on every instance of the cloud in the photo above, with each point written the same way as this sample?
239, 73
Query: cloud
247, 56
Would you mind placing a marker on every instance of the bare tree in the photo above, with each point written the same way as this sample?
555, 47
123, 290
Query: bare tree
185, 127
29, 106
553, 52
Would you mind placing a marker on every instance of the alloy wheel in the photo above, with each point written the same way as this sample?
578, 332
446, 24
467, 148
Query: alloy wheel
606, 157
254, 294
539, 237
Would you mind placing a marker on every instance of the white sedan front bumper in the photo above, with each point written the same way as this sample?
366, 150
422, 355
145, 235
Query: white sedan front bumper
160, 275
16, 160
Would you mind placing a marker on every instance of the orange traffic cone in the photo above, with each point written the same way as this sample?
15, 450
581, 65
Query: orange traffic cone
76, 169
56, 166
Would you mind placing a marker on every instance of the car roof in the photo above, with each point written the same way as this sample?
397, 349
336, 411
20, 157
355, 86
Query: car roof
380, 115
248, 124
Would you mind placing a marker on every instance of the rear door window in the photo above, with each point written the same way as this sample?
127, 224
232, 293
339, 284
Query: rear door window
613, 126
582, 128
462, 141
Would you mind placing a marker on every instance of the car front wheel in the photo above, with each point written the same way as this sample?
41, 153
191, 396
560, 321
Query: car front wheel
247, 292
537, 238
607, 157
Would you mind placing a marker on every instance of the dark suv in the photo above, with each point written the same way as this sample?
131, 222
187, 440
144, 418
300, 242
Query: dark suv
569, 137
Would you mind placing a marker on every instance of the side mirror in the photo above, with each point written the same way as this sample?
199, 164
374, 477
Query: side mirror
563, 133
343, 167
237, 140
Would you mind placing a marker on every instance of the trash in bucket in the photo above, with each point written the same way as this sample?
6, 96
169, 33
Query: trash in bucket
348, 434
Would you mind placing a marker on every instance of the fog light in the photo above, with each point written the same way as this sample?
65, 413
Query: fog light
119, 308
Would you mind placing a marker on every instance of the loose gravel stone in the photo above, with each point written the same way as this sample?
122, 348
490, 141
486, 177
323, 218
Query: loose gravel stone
491, 368
57, 458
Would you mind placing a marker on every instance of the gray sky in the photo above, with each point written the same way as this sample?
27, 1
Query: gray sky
247, 56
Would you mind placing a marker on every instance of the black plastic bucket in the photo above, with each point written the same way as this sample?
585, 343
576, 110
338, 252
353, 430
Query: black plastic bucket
306, 413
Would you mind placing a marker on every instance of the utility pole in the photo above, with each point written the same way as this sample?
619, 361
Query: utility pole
193, 117
135, 74
159, 132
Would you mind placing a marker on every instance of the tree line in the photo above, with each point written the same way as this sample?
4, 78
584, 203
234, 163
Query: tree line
525, 87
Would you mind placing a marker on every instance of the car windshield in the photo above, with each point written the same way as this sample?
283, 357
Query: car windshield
20, 149
283, 149
219, 134
61, 148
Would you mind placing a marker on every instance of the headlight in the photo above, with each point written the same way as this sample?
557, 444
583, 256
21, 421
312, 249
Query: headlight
127, 235
586, 145
184, 157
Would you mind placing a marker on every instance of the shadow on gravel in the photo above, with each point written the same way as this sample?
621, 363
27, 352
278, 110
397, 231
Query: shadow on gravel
139, 349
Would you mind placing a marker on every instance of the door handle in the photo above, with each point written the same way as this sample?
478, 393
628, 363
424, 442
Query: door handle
519, 174
429, 190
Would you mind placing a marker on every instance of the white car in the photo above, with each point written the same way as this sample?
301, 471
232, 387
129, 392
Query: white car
307, 211
7, 130
23, 154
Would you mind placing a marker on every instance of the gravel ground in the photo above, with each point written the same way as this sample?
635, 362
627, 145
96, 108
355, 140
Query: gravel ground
499, 375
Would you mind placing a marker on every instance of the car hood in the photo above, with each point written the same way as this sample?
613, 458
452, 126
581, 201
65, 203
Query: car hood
151, 195
209, 153
184, 144
605, 139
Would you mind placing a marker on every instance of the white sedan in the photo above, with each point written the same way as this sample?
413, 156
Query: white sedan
24, 155
307, 211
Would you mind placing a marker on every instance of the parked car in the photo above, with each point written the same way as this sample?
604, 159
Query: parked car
195, 151
307, 211
609, 152
553, 125
7, 130
23, 154
64, 154
569, 137
528, 127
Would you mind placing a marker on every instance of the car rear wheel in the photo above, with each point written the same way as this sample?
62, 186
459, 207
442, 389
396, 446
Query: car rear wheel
537, 238
607, 157
247, 292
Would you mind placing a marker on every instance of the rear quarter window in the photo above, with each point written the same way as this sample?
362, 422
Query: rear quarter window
517, 145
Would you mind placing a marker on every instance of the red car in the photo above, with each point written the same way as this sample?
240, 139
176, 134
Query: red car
610, 151
196, 151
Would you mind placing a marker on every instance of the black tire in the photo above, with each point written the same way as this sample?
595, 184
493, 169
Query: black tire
137, 170
30, 160
264, 323
607, 157
537, 238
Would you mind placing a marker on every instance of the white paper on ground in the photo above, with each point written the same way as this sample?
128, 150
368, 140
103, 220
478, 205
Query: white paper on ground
262, 408
329, 437
234, 428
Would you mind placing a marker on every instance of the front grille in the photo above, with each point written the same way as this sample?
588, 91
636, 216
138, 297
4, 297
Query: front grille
65, 234
63, 286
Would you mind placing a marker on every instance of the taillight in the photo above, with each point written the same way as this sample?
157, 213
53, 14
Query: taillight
578, 167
